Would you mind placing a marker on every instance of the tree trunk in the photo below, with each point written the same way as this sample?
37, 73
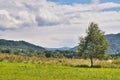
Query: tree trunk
91, 61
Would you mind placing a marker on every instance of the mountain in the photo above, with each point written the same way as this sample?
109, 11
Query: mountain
25, 47
61, 49
21, 46
74, 49
114, 41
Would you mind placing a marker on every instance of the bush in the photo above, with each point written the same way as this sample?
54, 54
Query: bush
83, 66
96, 66
116, 61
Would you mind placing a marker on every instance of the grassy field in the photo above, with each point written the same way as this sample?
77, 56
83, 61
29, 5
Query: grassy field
113, 63
29, 71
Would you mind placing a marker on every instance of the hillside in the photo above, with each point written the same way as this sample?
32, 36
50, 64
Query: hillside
18, 46
7, 46
114, 41
25, 48
61, 49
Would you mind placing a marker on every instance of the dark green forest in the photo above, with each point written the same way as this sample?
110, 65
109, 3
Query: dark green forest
25, 48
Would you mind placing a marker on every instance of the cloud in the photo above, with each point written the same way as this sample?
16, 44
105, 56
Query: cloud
45, 13
95, 1
47, 18
6, 21
54, 25
26, 19
108, 6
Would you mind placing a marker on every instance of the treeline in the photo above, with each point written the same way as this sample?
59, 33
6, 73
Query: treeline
45, 53
28, 49
51, 54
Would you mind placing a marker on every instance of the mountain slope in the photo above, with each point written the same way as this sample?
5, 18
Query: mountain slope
19, 46
114, 41
61, 49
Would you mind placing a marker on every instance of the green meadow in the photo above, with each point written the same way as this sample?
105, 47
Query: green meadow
30, 71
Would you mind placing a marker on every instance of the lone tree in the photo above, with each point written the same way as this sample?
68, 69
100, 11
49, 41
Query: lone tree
94, 44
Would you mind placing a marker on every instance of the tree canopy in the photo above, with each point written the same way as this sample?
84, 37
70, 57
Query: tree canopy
94, 44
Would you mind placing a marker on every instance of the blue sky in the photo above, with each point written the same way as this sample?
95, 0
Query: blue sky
56, 23
71, 1
82, 1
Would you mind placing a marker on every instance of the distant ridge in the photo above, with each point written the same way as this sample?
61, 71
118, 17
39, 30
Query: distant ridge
61, 49
19, 45
114, 41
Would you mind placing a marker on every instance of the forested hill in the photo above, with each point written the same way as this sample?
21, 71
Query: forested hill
10, 46
17, 46
25, 48
114, 41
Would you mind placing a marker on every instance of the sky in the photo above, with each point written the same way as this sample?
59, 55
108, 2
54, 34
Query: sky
56, 23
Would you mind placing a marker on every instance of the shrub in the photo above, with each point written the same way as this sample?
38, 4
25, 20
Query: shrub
116, 61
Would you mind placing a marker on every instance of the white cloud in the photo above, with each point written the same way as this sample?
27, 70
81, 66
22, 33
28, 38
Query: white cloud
45, 13
108, 5
6, 21
45, 17
53, 25
26, 19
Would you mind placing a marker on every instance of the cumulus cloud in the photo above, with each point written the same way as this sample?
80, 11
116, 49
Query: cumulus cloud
52, 24
46, 17
45, 13
26, 19
108, 6
6, 21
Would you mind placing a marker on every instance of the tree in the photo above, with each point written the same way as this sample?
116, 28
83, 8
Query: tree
94, 44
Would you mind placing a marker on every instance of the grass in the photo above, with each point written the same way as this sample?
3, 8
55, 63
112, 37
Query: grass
59, 61
29, 71
16, 67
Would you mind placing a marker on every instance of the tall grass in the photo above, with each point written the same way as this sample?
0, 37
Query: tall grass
59, 61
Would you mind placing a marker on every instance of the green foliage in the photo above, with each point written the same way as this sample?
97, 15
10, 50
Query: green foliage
94, 44
114, 43
60, 54
116, 61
